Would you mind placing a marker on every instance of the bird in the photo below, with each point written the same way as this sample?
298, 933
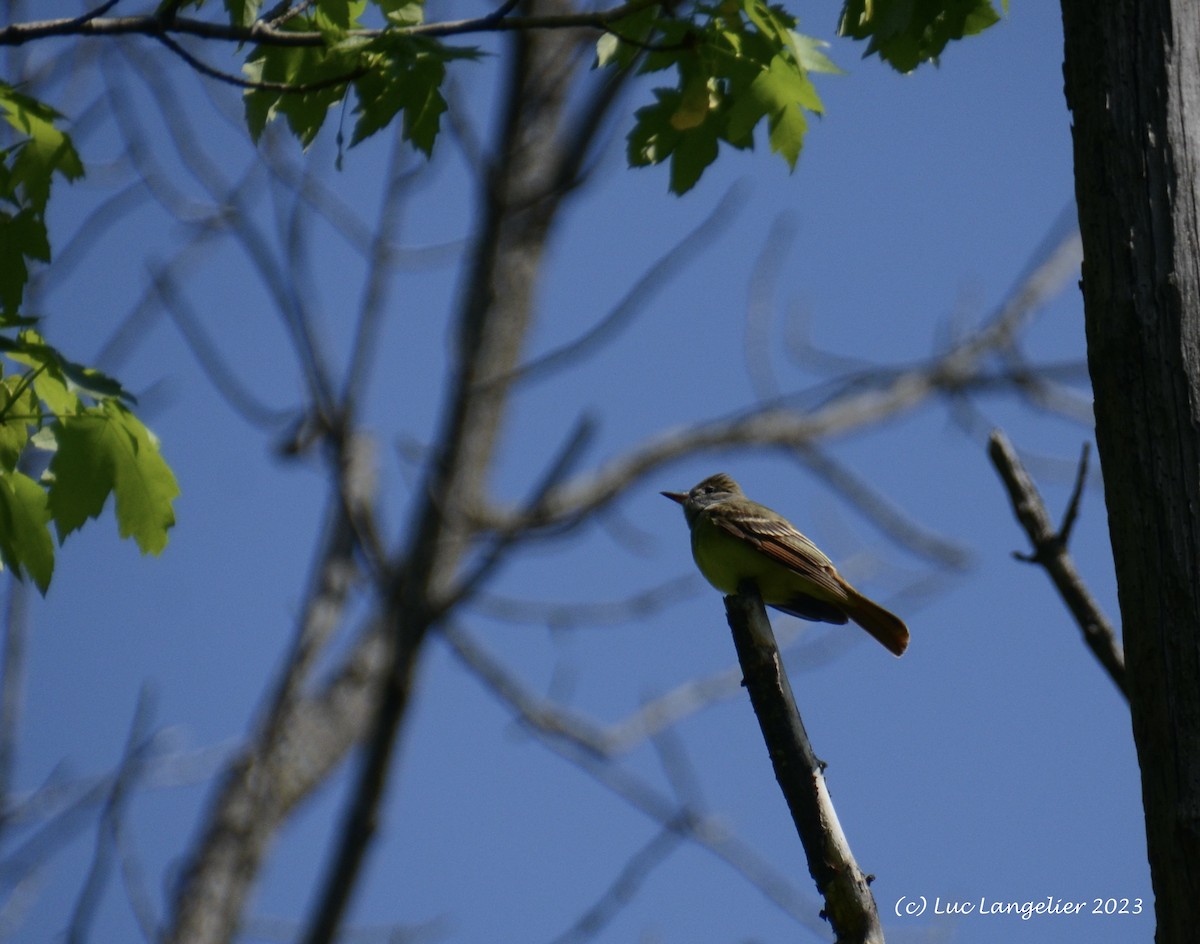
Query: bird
735, 540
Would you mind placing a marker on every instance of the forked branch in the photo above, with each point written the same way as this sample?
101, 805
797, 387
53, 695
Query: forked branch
1050, 552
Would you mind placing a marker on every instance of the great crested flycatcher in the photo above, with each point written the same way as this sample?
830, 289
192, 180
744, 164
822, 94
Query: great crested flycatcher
735, 540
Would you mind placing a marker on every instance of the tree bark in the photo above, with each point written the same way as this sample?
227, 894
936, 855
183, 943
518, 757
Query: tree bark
1132, 70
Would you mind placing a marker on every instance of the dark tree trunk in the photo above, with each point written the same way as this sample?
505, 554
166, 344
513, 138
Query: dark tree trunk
1133, 85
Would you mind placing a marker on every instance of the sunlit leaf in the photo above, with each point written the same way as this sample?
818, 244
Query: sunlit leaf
906, 33
18, 411
627, 37
106, 450
44, 151
26, 546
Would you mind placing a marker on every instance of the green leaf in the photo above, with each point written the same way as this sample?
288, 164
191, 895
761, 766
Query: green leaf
741, 65
27, 171
241, 12
318, 76
18, 412
406, 78
403, 12
774, 23
906, 33
10, 319
695, 102
44, 440
25, 543
696, 150
45, 151
656, 137
608, 49
59, 381
672, 40
627, 37
103, 450
53, 390
781, 93
314, 69
340, 13
653, 137
22, 237
809, 53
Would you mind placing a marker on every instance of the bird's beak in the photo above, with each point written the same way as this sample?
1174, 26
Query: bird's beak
680, 497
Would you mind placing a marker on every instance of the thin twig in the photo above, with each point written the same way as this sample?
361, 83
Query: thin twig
106, 831
903, 530
576, 614
636, 298
572, 447
224, 379
624, 887
1072, 512
12, 689
757, 346
365, 349
537, 714
257, 85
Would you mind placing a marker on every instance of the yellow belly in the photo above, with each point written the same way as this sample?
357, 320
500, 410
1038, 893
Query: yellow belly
726, 562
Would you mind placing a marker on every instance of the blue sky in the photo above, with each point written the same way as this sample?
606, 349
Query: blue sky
994, 761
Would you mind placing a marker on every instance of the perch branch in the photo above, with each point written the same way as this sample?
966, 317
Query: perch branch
849, 904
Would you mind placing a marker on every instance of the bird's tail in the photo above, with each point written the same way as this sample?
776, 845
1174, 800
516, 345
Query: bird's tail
884, 625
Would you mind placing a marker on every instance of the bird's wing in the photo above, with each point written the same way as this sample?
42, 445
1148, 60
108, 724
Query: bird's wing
783, 543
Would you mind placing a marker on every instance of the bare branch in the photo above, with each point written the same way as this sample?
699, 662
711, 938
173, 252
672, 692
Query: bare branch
541, 715
378, 277
573, 615
494, 555
638, 295
137, 888
764, 280
849, 904
562, 736
909, 534
89, 895
1050, 552
224, 380
623, 888
12, 689
299, 741
231, 213
521, 201
857, 402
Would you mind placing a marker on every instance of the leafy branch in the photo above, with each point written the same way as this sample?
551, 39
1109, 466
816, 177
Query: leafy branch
75, 415
282, 32
737, 61
96, 447
736, 64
